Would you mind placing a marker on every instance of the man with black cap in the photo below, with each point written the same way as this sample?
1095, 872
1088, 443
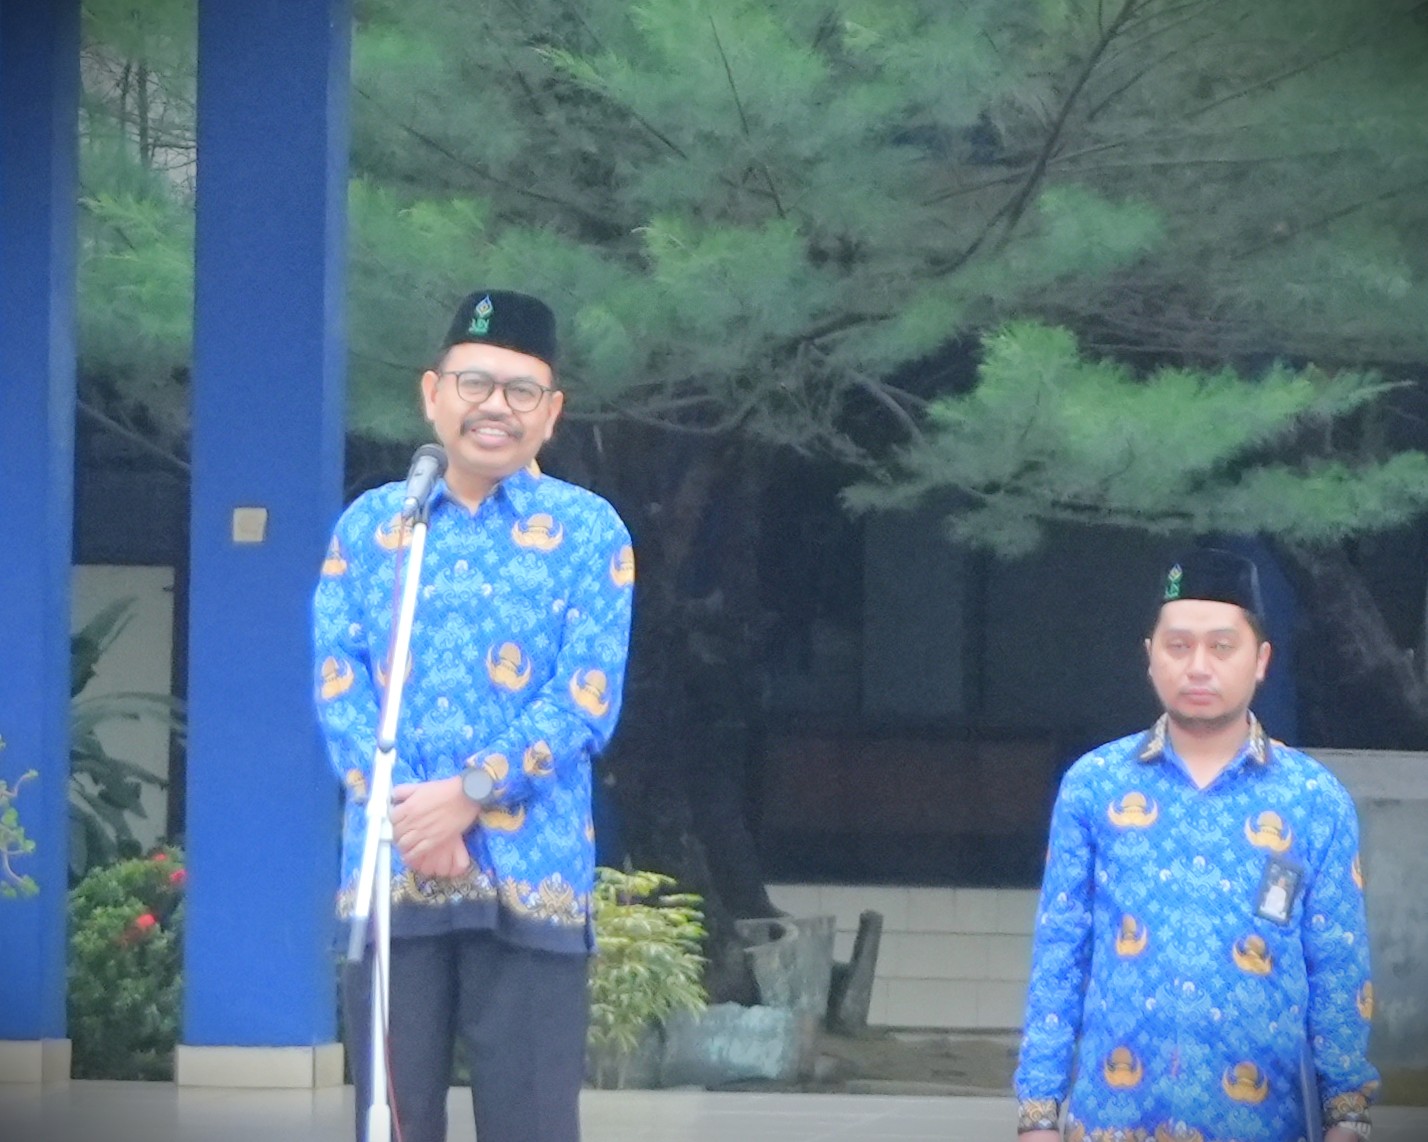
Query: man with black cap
518, 660
1200, 956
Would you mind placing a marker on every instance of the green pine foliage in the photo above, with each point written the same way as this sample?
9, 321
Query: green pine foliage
799, 199
648, 965
1049, 434
135, 223
765, 220
125, 967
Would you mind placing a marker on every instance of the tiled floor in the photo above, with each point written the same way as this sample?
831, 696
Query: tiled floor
157, 1112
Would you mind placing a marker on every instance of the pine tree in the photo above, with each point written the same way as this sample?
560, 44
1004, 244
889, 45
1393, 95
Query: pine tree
793, 229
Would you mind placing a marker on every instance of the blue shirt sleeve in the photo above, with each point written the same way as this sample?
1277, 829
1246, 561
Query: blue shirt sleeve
344, 687
1336, 955
573, 715
1061, 954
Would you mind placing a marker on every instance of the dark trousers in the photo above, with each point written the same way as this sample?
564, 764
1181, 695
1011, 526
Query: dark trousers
521, 1014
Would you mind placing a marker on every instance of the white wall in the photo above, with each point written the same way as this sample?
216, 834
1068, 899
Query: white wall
141, 659
954, 958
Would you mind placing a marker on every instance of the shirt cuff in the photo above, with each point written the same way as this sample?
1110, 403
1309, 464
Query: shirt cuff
1350, 1107
1037, 1114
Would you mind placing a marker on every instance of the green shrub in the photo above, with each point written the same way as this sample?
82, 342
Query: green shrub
648, 965
125, 967
104, 789
13, 842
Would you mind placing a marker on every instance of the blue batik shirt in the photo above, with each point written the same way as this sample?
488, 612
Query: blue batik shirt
1194, 946
517, 665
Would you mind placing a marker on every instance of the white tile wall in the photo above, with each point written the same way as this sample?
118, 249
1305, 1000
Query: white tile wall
956, 958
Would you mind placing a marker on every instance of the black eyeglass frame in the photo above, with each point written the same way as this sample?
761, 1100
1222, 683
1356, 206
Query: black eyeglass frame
475, 386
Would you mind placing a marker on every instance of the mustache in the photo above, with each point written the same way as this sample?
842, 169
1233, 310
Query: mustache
506, 424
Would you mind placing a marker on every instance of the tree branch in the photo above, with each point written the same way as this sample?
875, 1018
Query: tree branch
1306, 65
1017, 207
881, 393
598, 221
1333, 216
143, 443
1149, 68
743, 118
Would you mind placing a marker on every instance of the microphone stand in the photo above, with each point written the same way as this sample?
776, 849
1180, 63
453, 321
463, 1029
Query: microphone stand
372, 908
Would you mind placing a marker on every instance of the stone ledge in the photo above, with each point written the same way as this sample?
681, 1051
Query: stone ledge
34, 1060
1377, 775
287, 1068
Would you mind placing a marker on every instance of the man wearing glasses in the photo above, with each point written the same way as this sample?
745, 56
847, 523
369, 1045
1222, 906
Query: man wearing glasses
518, 651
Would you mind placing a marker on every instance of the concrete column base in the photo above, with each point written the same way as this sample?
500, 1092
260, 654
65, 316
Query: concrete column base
291, 1068
34, 1060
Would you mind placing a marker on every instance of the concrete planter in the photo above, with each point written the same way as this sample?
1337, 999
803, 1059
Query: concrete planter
1390, 791
774, 1041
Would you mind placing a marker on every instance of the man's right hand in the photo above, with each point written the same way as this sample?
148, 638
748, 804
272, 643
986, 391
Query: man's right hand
443, 860
1040, 1136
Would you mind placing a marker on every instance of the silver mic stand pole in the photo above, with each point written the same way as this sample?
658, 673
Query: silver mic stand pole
372, 888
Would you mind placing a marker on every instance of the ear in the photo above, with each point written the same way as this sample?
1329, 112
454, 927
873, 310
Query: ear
557, 406
1262, 666
429, 381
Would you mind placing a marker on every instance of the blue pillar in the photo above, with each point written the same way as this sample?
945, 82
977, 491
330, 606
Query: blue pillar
39, 91
269, 376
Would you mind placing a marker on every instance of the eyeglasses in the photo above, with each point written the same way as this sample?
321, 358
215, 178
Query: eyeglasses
522, 394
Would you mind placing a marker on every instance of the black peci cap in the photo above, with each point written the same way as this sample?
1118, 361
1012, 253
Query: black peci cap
1216, 575
511, 320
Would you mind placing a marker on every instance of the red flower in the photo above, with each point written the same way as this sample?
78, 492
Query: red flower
138, 928
177, 877
160, 856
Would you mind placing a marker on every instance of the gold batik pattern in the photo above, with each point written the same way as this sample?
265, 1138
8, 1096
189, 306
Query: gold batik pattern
1347, 1107
1037, 1114
409, 888
552, 901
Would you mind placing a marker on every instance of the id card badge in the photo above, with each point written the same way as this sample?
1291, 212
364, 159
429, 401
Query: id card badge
1278, 890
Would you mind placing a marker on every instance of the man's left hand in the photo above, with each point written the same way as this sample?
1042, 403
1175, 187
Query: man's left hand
1341, 1134
429, 815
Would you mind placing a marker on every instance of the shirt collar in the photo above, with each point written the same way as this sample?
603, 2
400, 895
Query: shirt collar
519, 488
1156, 740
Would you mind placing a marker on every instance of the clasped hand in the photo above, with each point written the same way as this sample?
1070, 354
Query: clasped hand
429, 824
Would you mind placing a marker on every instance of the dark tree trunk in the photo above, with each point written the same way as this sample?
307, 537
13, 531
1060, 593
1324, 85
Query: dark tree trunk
1364, 688
679, 766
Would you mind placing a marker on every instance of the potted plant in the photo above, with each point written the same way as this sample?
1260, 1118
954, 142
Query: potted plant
648, 965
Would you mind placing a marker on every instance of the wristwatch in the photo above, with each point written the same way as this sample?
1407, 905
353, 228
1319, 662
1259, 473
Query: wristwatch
478, 784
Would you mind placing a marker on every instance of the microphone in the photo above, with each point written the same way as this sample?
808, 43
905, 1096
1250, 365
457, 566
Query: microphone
428, 464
